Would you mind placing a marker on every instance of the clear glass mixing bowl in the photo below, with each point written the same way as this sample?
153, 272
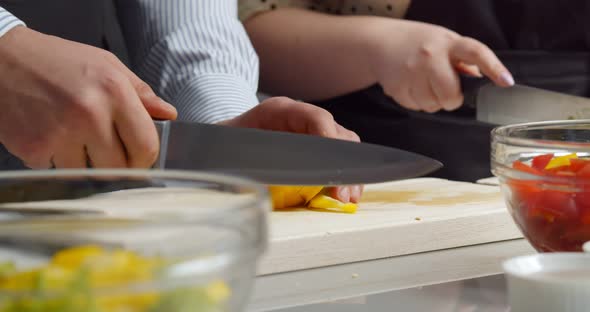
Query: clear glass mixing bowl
128, 240
551, 207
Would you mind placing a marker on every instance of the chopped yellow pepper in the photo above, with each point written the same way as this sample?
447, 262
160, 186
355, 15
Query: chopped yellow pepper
328, 203
292, 196
560, 161
68, 283
218, 291
307, 196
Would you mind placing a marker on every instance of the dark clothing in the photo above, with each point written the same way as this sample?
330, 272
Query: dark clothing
93, 22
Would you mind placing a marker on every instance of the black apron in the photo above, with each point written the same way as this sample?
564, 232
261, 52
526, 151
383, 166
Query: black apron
93, 22
544, 43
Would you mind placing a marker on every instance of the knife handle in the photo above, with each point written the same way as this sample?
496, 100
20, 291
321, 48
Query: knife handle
470, 87
163, 128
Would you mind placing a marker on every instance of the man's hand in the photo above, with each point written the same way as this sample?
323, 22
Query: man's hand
284, 114
66, 105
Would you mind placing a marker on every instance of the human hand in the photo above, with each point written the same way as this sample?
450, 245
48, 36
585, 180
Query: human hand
284, 114
418, 64
67, 105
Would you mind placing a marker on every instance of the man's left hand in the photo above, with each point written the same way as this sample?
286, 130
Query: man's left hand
285, 114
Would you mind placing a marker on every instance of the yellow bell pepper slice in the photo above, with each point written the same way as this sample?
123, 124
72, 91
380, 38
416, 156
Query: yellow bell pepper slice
308, 196
292, 196
326, 202
560, 161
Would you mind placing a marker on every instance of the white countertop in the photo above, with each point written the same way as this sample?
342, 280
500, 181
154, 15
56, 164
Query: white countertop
352, 280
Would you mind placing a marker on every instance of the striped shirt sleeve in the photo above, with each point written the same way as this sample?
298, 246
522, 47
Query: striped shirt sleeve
8, 21
194, 53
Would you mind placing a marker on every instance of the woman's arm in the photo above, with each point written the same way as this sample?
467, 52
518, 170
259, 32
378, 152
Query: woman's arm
315, 56
310, 55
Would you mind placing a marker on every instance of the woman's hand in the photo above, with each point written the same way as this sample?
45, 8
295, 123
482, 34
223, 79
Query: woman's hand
418, 64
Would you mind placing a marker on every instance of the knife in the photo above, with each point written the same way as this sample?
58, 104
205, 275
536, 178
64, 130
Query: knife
272, 157
520, 104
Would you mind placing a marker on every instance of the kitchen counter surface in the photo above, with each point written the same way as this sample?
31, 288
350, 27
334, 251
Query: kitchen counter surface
356, 280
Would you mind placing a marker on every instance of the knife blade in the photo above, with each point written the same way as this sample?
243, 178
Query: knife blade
283, 158
519, 103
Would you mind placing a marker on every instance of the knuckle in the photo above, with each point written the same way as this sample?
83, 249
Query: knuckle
322, 115
408, 105
431, 108
143, 88
474, 48
449, 35
323, 123
426, 50
151, 154
406, 102
112, 83
442, 35
450, 91
281, 102
474, 51
147, 153
453, 103
108, 55
84, 109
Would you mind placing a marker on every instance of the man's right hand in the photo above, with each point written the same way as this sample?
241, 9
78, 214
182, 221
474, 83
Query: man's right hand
65, 105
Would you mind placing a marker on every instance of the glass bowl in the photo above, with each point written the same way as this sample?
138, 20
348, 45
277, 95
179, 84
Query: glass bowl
128, 240
550, 203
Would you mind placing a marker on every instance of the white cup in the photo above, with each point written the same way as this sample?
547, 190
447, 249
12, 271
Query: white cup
549, 282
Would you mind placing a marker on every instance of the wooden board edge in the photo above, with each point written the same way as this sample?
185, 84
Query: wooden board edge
378, 243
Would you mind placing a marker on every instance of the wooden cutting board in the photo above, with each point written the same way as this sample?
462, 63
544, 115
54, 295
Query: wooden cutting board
394, 219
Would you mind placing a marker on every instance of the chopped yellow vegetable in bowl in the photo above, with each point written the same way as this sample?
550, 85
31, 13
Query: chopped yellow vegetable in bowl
92, 279
129, 241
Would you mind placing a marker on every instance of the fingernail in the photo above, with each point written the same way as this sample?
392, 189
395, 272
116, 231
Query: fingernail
344, 194
507, 78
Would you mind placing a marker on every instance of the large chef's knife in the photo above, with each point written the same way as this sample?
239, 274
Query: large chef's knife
283, 158
519, 104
